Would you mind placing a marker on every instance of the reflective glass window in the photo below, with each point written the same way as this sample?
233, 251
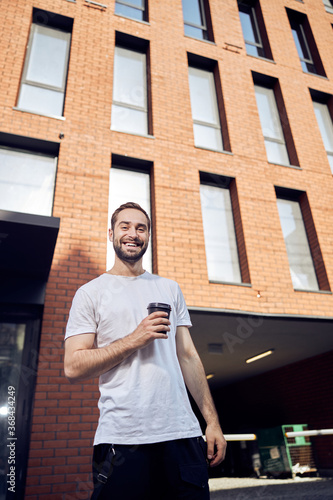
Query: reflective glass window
301, 265
271, 126
129, 108
205, 112
326, 128
27, 182
219, 232
251, 33
303, 48
194, 19
129, 185
134, 9
45, 71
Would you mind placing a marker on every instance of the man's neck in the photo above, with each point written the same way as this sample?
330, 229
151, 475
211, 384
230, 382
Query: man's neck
122, 268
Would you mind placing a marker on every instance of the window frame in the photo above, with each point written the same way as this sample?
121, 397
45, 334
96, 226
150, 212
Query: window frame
33, 147
211, 67
140, 166
216, 125
311, 235
328, 6
229, 184
35, 154
300, 27
273, 85
327, 101
275, 118
143, 9
255, 26
63, 27
139, 46
253, 9
205, 27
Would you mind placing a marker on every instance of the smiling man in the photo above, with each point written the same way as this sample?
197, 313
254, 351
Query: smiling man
148, 442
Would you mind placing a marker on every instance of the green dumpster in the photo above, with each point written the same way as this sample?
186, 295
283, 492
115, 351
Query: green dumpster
285, 456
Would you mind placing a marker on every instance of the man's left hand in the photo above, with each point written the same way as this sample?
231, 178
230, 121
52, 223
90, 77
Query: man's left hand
216, 444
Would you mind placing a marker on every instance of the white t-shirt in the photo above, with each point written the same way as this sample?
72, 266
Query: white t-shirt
144, 398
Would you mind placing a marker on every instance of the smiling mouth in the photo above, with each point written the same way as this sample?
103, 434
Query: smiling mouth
130, 244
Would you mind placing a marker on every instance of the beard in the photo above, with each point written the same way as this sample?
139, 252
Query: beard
128, 257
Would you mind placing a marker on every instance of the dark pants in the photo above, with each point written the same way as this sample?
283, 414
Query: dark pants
172, 470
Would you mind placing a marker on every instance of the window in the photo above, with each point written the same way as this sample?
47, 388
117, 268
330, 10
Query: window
209, 121
300, 261
43, 83
130, 92
325, 124
129, 181
305, 259
135, 9
225, 247
328, 5
280, 147
27, 177
254, 31
271, 126
305, 43
197, 19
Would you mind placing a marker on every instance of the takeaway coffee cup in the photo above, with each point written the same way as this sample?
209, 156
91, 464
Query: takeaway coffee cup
159, 306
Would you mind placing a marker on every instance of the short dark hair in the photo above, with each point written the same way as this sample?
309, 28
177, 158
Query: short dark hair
129, 204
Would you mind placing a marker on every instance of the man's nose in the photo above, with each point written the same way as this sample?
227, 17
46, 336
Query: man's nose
132, 232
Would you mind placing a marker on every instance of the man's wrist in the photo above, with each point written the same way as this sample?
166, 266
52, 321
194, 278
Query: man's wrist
212, 420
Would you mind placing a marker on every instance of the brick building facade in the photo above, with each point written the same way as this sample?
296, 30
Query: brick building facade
217, 113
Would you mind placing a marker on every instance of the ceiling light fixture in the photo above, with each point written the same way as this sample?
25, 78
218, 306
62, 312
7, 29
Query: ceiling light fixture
259, 356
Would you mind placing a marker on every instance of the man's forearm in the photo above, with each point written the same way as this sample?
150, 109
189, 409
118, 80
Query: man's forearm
82, 361
196, 382
90, 363
195, 379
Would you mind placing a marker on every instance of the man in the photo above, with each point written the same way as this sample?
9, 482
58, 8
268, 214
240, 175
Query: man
148, 442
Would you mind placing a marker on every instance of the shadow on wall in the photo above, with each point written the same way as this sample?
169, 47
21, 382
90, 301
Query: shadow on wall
65, 415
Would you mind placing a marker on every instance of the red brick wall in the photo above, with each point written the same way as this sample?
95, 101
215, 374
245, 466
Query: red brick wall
64, 416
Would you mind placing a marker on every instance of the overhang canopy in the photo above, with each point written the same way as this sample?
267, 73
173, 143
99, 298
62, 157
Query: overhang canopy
27, 245
226, 339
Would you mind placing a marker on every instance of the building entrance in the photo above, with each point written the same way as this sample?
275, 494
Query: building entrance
18, 367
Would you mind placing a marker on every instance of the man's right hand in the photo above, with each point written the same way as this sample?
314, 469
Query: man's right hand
153, 327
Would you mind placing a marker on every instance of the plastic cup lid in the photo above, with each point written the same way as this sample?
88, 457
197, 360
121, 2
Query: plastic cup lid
159, 305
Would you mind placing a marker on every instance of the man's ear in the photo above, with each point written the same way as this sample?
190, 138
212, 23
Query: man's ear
111, 235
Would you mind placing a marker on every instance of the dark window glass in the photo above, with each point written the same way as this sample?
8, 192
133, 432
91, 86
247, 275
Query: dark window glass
251, 33
134, 9
302, 46
195, 24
